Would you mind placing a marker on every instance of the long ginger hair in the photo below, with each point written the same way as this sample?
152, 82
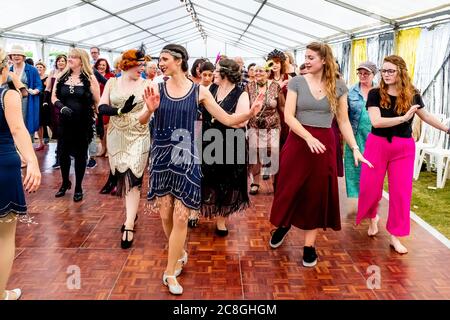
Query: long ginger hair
330, 70
404, 86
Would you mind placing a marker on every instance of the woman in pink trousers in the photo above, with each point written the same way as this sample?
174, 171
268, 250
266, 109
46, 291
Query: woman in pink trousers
391, 148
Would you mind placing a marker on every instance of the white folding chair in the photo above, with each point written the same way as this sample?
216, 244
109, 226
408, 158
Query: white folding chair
441, 154
429, 137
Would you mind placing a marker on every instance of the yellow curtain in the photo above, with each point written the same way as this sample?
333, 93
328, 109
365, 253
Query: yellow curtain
406, 47
359, 54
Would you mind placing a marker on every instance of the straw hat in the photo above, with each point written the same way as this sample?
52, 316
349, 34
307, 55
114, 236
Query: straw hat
17, 49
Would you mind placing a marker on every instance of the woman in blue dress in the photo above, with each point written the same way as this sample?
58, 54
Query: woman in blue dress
13, 136
175, 171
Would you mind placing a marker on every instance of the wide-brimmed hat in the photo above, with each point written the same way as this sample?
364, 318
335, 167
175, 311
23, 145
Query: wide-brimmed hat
17, 49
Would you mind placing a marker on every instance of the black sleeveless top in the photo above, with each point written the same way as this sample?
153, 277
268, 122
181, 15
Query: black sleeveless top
224, 183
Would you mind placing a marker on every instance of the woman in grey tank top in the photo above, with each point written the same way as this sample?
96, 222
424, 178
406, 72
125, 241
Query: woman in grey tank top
307, 195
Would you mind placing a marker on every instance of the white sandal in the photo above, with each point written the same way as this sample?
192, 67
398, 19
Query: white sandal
183, 261
8, 295
176, 288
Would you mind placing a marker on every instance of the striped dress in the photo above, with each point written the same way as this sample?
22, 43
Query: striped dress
175, 165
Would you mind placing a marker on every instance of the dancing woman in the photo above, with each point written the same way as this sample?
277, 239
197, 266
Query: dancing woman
128, 140
391, 148
175, 172
307, 195
76, 94
13, 136
224, 182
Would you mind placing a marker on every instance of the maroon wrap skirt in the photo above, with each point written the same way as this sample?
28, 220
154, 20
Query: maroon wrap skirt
307, 194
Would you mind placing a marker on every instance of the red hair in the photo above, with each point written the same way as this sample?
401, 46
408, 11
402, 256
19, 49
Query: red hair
405, 88
130, 59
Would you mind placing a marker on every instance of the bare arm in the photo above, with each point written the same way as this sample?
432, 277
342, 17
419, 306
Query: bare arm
347, 131
344, 122
281, 102
152, 99
13, 115
380, 122
217, 112
243, 106
431, 120
95, 89
54, 98
104, 99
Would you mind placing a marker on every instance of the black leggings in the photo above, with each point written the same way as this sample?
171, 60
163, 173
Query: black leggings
80, 168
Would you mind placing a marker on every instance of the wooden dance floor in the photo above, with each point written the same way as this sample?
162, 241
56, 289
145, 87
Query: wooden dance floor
87, 235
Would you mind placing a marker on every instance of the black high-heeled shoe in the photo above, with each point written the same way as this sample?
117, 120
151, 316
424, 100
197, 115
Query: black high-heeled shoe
122, 229
78, 196
62, 191
108, 187
126, 244
193, 222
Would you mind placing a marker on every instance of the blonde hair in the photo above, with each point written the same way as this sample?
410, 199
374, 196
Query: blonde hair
290, 56
3, 59
86, 68
329, 71
117, 62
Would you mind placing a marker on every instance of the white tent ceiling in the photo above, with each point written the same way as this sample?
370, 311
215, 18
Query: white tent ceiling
249, 28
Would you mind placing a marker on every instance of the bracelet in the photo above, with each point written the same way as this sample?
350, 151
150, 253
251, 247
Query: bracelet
119, 112
355, 148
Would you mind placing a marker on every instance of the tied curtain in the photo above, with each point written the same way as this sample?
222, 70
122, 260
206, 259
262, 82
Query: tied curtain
407, 43
359, 54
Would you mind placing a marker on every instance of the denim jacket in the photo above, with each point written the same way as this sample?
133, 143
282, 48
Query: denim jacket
355, 104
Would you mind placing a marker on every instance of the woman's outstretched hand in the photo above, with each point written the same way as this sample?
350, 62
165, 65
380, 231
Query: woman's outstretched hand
360, 158
257, 105
315, 145
151, 99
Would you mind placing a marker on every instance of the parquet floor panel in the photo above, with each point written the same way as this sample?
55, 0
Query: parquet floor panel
240, 266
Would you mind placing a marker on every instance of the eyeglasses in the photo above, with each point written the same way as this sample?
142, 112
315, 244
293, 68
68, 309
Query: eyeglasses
388, 71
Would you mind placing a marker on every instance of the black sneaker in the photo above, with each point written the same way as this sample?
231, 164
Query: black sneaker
56, 165
309, 257
91, 164
278, 236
